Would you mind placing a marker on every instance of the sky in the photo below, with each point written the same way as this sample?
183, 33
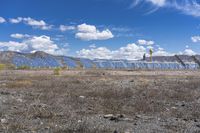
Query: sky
106, 29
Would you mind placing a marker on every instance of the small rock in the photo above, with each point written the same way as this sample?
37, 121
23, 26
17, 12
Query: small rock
108, 116
19, 100
174, 108
185, 119
138, 116
82, 97
198, 126
120, 116
114, 119
115, 131
4, 121
183, 105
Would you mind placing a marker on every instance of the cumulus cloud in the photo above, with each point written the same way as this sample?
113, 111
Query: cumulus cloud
188, 51
195, 39
19, 36
100, 53
2, 20
145, 42
162, 52
90, 32
37, 24
13, 46
64, 28
32, 44
15, 20
131, 52
40, 24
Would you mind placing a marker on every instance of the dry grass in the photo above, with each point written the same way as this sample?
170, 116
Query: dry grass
19, 84
77, 103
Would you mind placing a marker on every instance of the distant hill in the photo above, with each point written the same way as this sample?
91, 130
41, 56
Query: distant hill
43, 60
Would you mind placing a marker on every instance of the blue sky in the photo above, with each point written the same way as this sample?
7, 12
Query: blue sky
101, 28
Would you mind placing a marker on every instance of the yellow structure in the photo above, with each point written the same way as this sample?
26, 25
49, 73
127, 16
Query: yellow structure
151, 54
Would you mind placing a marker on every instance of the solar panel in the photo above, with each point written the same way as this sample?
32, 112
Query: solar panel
21, 61
87, 63
119, 64
69, 62
48, 61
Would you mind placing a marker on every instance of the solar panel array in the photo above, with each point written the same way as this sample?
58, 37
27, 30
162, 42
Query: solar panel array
49, 61
86, 63
69, 62
36, 62
108, 64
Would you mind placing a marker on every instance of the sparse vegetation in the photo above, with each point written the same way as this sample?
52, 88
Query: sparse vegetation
24, 67
2, 66
137, 101
56, 71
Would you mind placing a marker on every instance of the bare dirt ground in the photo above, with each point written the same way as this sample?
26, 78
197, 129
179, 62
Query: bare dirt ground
97, 101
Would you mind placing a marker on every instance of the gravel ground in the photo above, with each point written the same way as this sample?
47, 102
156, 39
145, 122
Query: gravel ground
99, 101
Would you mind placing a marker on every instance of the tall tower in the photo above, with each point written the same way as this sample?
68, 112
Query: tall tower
151, 54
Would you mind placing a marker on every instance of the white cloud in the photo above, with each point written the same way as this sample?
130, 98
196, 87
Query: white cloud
189, 52
188, 7
64, 28
92, 46
16, 20
162, 52
145, 42
35, 43
42, 43
19, 36
158, 2
37, 24
2, 20
40, 24
86, 28
150, 47
131, 52
90, 32
13, 46
100, 53
195, 39
186, 46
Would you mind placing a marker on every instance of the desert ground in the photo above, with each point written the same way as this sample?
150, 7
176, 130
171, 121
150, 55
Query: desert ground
99, 101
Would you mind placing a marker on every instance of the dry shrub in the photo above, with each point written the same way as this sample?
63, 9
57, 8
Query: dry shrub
2, 66
20, 84
41, 111
56, 71
111, 99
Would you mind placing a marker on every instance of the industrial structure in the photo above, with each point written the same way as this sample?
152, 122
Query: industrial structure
44, 60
